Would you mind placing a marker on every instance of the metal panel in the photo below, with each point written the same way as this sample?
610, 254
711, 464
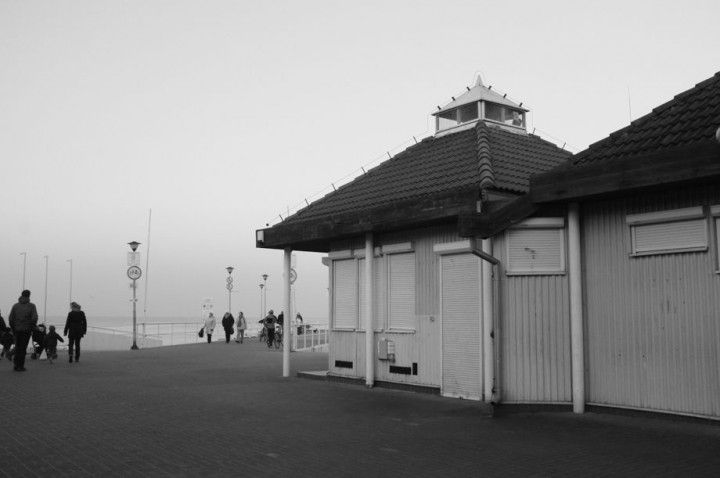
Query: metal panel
534, 334
461, 332
651, 322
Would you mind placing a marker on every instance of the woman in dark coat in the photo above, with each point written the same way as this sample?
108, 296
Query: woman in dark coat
76, 326
227, 322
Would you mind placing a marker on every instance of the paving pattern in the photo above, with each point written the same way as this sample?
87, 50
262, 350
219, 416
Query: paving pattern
225, 410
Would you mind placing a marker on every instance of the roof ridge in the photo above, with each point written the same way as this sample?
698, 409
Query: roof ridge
485, 166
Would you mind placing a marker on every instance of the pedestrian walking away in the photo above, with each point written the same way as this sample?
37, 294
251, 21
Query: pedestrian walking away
241, 326
23, 319
209, 326
227, 322
75, 329
51, 341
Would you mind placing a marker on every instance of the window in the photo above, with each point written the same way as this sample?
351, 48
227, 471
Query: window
536, 246
667, 232
715, 212
345, 294
401, 291
504, 114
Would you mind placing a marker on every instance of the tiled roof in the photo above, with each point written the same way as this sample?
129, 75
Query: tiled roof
442, 164
690, 117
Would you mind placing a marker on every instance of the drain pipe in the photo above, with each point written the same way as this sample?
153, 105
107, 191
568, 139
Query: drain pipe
491, 359
369, 332
576, 309
488, 314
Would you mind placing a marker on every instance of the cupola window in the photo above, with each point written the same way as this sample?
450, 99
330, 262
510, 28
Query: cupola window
480, 103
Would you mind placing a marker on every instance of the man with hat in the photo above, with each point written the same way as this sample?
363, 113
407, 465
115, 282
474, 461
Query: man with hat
23, 319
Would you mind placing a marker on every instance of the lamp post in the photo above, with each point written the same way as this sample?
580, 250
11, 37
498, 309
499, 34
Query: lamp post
45, 304
70, 296
261, 301
24, 254
264, 309
134, 272
229, 287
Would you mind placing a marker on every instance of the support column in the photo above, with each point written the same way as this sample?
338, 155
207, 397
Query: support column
488, 312
369, 331
577, 343
287, 326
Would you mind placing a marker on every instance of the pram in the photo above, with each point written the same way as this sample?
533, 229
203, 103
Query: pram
38, 339
7, 339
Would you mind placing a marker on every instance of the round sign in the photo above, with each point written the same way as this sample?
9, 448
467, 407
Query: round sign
134, 272
229, 280
293, 276
229, 286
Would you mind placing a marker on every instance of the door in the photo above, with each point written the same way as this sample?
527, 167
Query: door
461, 327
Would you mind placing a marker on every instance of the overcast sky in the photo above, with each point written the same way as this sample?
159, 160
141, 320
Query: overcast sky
221, 115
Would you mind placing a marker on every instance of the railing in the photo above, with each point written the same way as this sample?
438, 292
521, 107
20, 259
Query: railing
309, 336
172, 333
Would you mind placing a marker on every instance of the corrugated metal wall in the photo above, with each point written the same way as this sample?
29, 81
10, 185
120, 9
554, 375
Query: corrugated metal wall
652, 334
423, 346
534, 323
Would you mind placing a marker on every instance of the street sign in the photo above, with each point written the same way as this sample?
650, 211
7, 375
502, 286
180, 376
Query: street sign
229, 286
293, 276
229, 280
134, 272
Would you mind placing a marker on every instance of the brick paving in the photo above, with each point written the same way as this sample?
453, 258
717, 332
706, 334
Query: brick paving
225, 410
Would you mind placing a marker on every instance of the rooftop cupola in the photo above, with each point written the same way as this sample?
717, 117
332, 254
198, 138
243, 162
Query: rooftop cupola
480, 103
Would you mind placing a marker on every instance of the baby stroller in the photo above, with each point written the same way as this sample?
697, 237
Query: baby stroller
38, 338
7, 339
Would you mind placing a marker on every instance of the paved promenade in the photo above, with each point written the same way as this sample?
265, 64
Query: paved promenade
225, 410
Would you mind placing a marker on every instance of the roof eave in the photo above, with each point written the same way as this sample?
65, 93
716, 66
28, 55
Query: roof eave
316, 235
695, 163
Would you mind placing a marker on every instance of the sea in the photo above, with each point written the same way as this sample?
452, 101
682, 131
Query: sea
116, 333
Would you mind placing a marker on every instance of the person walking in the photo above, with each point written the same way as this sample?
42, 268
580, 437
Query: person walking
75, 329
23, 319
227, 322
51, 341
210, 326
269, 323
241, 326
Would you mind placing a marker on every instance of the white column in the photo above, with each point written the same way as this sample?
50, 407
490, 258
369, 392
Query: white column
369, 332
488, 322
287, 327
576, 310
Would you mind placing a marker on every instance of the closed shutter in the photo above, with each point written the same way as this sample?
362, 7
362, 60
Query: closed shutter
362, 305
401, 300
461, 322
535, 250
345, 297
669, 236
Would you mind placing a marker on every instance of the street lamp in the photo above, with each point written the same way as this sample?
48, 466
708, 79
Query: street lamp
229, 287
134, 272
46, 277
24, 254
264, 309
70, 297
261, 301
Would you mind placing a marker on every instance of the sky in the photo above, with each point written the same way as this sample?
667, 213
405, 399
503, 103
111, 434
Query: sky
187, 125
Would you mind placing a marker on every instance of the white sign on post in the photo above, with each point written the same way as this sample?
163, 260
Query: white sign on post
133, 259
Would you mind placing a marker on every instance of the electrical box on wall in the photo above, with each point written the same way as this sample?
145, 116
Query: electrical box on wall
386, 350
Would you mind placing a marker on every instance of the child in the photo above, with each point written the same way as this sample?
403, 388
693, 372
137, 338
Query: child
51, 341
38, 337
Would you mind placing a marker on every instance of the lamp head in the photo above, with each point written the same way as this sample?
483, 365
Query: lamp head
133, 245
264, 276
229, 269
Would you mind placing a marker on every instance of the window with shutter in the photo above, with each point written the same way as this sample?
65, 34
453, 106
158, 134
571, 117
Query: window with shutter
667, 232
536, 247
345, 294
401, 291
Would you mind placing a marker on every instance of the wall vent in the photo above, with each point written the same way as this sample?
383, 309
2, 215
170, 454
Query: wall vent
401, 370
343, 364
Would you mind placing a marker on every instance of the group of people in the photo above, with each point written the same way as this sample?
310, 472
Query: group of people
228, 324
23, 325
